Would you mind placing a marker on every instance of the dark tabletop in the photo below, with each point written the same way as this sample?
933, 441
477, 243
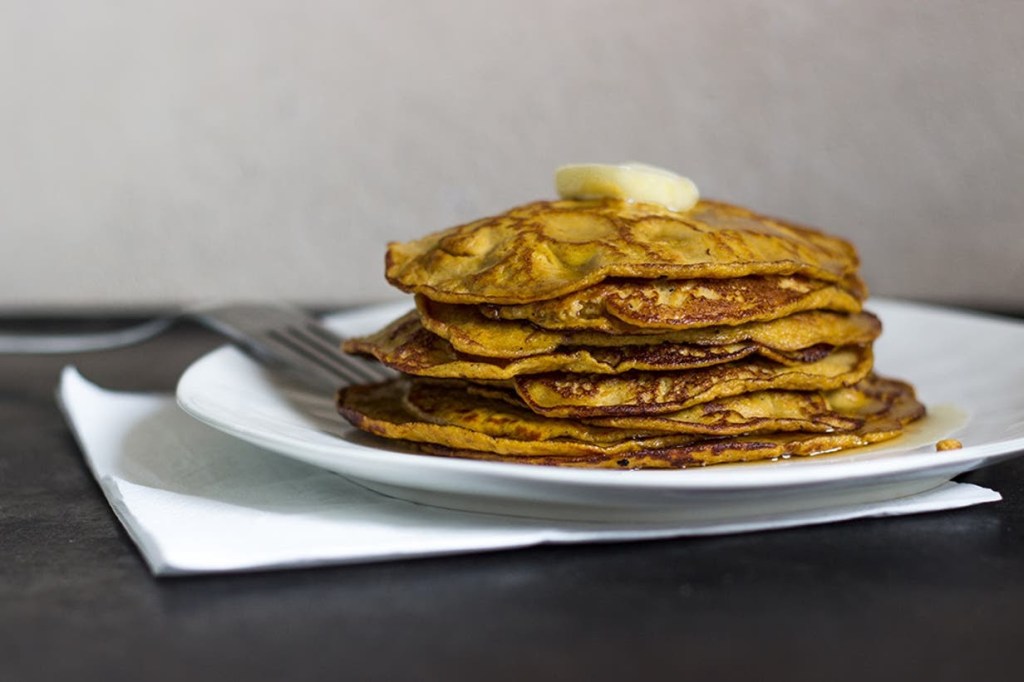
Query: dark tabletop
938, 596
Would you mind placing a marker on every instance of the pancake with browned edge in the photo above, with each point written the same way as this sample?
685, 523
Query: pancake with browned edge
548, 249
405, 345
439, 423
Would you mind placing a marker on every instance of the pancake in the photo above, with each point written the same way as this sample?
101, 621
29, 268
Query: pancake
381, 409
562, 394
842, 409
405, 345
441, 422
548, 249
756, 412
470, 332
622, 306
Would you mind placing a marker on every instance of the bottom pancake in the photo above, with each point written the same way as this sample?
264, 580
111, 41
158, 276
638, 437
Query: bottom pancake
494, 430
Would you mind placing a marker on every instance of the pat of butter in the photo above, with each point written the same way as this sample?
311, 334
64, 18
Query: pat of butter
627, 181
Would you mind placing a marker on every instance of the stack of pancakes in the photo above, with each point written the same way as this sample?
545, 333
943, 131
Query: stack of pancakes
608, 333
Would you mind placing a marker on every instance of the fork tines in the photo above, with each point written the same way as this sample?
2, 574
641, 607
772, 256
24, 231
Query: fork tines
288, 338
319, 346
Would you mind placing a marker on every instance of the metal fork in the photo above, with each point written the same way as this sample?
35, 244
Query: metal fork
288, 339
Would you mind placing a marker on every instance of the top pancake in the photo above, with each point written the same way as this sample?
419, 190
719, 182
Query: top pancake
549, 249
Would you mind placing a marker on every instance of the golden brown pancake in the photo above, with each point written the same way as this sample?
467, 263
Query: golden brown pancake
548, 249
443, 423
382, 409
561, 394
623, 306
756, 412
406, 346
842, 409
470, 332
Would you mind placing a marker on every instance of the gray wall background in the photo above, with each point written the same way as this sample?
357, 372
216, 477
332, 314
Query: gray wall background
155, 153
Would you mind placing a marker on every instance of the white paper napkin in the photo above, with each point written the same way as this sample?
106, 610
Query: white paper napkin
196, 500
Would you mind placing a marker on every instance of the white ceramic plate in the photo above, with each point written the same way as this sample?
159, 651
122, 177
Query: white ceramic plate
966, 367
